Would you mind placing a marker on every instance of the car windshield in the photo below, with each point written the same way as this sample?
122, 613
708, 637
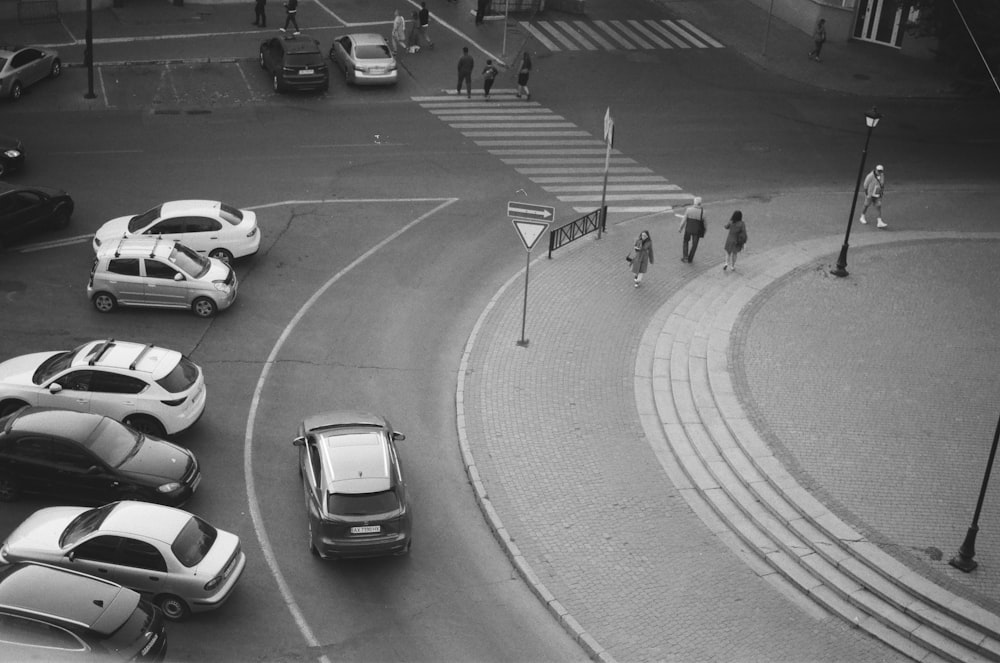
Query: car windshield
87, 522
184, 374
137, 223
194, 541
365, 504
230, 214
372, 52
189, 262
114, 443
54, 365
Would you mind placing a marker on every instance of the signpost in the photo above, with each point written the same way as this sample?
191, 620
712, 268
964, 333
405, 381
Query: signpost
529, 230
609, 139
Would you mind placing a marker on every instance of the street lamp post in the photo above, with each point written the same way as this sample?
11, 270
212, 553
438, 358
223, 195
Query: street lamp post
88, 52
964, 560
871, 120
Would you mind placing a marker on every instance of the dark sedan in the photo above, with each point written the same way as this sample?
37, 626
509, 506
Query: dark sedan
11, 155
294, 64
90, 458
26, 210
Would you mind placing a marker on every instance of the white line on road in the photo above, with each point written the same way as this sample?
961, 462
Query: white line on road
254, 504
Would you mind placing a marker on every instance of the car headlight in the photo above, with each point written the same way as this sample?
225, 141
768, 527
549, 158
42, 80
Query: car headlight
171, 487
11, 154
221, 286
97, 241
3, 554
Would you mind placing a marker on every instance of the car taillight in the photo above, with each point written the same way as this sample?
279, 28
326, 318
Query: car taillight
175, 402
252, 232
213, 583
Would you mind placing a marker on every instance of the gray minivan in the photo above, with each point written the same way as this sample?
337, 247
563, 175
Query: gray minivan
159, 273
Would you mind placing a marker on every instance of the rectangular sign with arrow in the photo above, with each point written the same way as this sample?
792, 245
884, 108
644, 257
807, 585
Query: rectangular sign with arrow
530, 211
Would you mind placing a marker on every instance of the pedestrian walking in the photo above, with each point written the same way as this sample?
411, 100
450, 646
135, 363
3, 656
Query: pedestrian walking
641, 257
874, 192
259, 17
291, 10
465, 66
693, 227
489, 75
735, 240
819, 37
398, 36
522, 76
481, 7
424, 16
412, 38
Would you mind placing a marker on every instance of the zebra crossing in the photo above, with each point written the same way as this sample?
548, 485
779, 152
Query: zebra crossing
628, 35
554, 153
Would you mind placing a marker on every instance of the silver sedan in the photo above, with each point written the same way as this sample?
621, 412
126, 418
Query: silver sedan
365, 59
22, 66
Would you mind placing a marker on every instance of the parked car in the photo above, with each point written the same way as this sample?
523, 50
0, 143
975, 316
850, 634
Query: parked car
356, 502
209, 227
11, 155
90, 458
171, 557
22, 66
365, 59
152, 389
53, 615
295, 63
159, 273
26, 210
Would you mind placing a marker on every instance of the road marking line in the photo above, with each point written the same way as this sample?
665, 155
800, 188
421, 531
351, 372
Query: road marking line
691, 28
629, 33
624, 43
537, 34
596, 37
639, 27
254, 504
570, 30
680, 43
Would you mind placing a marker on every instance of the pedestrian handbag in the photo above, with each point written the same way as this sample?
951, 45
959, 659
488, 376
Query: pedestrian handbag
628, 257
701, 232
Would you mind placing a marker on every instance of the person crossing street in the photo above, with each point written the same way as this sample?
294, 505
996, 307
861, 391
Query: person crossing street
874, 192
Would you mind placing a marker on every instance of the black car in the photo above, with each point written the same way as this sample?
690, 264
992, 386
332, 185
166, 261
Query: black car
25, 210
11, 155
295, 63
90, 458
52, 615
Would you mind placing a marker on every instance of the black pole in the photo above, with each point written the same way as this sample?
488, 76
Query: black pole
841, 268
88, 53
964, 561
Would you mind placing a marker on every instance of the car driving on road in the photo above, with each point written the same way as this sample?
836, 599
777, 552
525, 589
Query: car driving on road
91, 459
152, 389
174, 558
356, 501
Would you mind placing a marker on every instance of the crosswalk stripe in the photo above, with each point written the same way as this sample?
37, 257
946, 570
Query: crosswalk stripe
563, 151
511, 125
571, 31
536, 33
559, 36
462, 117
564, 142
593, 35
705, 37
486, 110
581, 188
632, 35
566, 160
624, 43
631, 196
649, 34
558, 179
484, 134
582, 170
631, 209
674, 39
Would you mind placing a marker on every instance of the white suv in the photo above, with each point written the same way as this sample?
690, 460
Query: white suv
152, 389
160, 273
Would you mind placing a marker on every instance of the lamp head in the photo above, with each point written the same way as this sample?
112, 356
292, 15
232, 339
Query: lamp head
872, 117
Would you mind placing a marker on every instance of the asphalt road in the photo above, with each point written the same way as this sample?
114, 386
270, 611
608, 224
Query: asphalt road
385, 235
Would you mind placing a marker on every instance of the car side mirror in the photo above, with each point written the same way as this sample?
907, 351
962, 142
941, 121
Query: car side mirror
178, 277
299, 442
55, 388
71, 555
398, 437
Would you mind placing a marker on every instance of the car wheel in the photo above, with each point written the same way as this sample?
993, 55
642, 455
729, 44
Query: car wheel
105, 302
10, 489
56, 68
145, 425
15, 90
60, 219
204, 307
174, 608
222, 254
10, 407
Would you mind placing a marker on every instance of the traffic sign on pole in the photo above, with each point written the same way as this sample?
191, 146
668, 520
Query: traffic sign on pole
530, 211
529, 231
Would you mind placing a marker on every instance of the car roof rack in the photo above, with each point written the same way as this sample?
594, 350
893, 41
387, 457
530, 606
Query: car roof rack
101, 350
152, 251
142, 354
118, 249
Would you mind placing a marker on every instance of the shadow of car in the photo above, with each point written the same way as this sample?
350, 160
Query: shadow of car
27, 210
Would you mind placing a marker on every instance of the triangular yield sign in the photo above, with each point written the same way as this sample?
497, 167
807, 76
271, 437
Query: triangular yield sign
529, 231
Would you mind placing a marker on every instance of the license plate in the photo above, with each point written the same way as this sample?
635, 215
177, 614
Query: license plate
306, 72
366, 529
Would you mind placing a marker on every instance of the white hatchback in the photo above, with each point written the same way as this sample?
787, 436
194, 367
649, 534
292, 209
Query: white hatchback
176, 559
152, 389
209, 227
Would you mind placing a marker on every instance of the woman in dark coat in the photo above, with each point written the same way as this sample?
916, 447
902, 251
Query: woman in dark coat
735, 240
522, 76
642, 256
